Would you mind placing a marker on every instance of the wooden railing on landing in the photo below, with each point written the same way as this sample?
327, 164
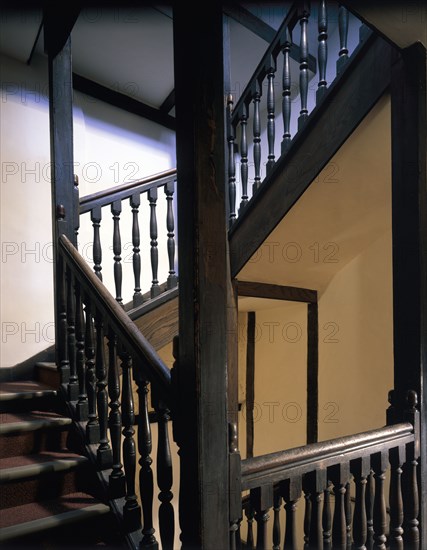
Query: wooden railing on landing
332, 471
91, 320
113, 198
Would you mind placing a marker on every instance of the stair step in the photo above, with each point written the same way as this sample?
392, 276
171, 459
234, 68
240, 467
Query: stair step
26, 519
28, 422
47, 373
24, 467
25, 389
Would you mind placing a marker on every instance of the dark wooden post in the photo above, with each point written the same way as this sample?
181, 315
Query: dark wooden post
200, 425
58, 22
409, 227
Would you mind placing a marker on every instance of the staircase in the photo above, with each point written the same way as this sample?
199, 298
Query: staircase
49, 491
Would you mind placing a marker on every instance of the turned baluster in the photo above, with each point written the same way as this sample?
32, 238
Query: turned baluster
154, 252
82, 405
104, 455
146, 485
348, 512
231, 162
76, 214
135, 202
244, 154
322, 51
164, 475
96, 217
131, 509
317, 482
249, 513
397, 458
116, 479
339, 476
303, 75
92, 426
286, 92
360, 468
271, 70
370, 493
116, 209
379, 463
64, 364
291, 492
343, 33
411, 534
235, 498
307, 511
277, 502
262, 501
327, 517
170, 226
73, 386
257, 136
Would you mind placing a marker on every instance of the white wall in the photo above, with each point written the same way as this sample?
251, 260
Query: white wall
111, 147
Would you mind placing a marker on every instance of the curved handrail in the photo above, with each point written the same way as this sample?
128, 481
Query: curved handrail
136, 344
299, 460
121, 192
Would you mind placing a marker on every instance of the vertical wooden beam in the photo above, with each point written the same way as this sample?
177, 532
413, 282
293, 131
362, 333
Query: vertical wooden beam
58, 48
200, 423
312, 372
250, 384
409, 226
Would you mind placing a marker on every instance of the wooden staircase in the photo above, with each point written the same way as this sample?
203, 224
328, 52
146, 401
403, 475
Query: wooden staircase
49, 491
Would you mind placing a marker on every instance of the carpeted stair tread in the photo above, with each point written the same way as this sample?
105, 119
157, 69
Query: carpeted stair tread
36, 516
24, 466
11, 422
24, 389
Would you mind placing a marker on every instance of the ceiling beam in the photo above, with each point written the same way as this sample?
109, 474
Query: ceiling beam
169, 103
122, 101
60, 18
250, 21
254, 289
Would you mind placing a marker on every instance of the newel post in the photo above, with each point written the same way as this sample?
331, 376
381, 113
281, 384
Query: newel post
200, 422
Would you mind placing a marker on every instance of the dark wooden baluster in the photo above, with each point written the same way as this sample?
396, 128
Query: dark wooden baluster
322, 51
73, 386
82, 405
379, 464
370, 493
262, 501
170, 226
397, 458
317, 482
92, 426
116, 209
303, 75
327, 517
117, 478
104, 455
307, 511
231, 163
164, 475
360, 468
146, 485
339, 475
76, 201
244, 155
286, 93
411, 534
257, 136
135, 201
96, 217
64, 364
154, 252
131, 509
291, 492
348, 512
343, 32
271, 70
250, 541
235, 497
277, 503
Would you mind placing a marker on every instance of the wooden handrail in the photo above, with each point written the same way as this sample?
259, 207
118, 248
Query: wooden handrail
137, 345
277, 466
121, 192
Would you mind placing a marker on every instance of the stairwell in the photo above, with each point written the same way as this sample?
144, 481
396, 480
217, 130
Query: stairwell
49, 490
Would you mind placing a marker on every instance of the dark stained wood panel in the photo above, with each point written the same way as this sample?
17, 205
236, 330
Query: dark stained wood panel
160, 325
